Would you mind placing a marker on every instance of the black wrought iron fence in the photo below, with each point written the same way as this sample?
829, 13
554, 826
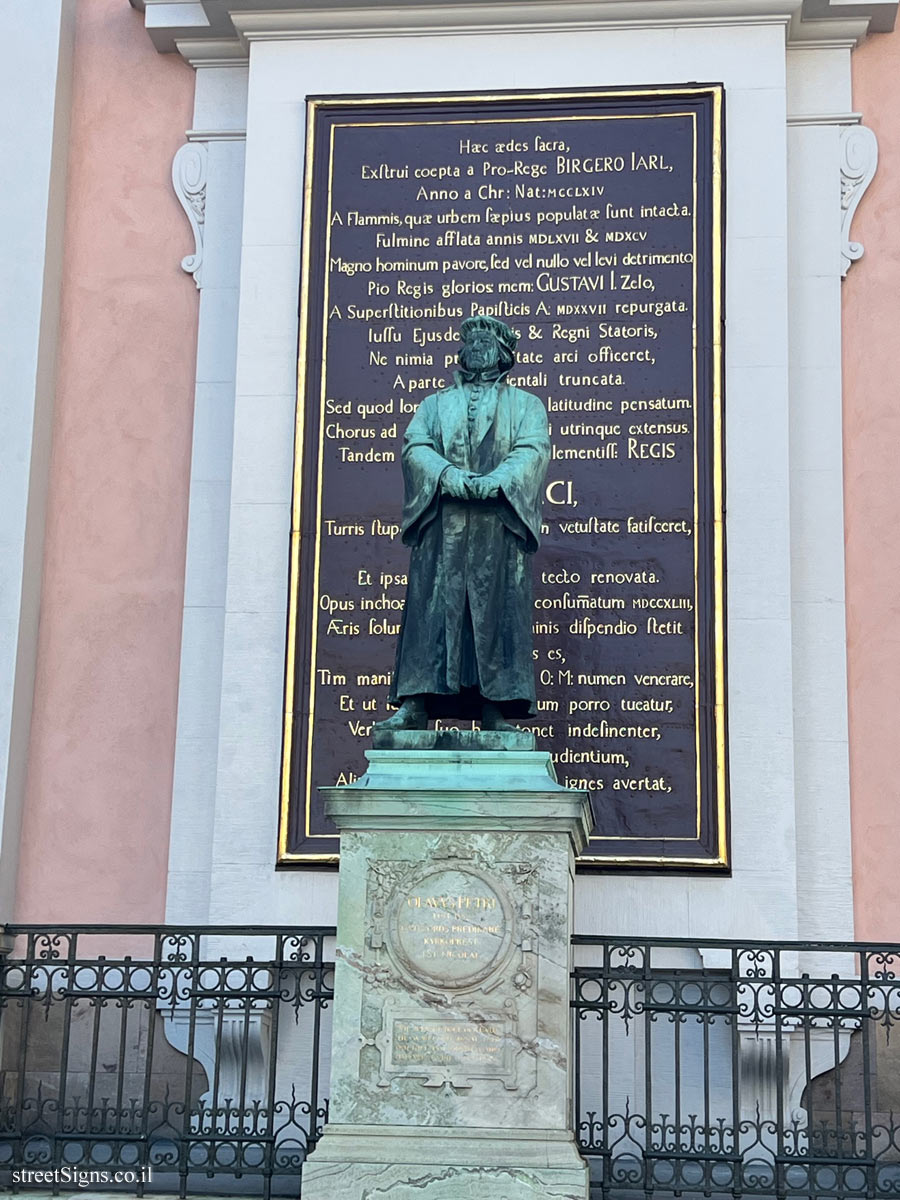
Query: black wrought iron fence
163, 1057
195, 1060
738, 1068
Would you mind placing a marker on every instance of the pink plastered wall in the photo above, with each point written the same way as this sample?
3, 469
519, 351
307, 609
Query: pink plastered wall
96, 827
872, 503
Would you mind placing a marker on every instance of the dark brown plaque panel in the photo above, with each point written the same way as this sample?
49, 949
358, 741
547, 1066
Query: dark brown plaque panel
592, 223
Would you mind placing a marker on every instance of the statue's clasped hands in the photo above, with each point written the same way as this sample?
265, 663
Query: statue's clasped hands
463, 485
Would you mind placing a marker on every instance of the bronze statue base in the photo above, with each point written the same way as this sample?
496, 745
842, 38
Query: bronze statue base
452, 739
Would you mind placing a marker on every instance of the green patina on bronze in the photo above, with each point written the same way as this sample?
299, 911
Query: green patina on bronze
474, 461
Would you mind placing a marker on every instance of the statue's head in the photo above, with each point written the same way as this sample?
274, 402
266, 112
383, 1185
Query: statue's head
488, 347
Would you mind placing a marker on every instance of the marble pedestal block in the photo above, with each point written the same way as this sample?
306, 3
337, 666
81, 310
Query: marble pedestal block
451, 1059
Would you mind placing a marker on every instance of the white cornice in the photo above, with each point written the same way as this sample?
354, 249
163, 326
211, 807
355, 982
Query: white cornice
218, 32
212, 52
216, 135
846, 118
533, 16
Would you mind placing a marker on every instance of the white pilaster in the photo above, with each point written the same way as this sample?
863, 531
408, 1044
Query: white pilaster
208, 175
820, 117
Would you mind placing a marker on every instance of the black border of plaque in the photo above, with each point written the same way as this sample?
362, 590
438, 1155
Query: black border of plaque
305, 837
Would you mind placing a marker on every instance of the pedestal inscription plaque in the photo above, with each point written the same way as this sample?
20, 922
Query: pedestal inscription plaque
450, 928
460, 938
452, 1042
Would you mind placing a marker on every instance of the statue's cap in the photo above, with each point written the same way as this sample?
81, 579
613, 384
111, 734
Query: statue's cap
501, 332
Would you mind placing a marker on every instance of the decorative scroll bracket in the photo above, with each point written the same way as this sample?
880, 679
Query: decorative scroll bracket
859, 160
189, 181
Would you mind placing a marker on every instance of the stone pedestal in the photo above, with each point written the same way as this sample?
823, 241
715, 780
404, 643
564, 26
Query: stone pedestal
451, 1061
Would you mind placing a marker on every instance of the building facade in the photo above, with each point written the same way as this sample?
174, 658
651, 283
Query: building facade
151, 414
150, 436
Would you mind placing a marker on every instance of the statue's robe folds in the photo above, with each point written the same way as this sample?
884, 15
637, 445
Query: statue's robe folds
466, 632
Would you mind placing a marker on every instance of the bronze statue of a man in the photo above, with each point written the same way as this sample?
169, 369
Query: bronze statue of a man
474, 460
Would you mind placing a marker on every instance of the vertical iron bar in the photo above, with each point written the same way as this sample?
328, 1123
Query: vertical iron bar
278, 974
778, 997
184, 1150
153, 1016
245, 1050
865, 1024
219, 1105
808, 1026
313, 1137
605, 1015
24, 1030
576, 1051
648, 1070
840, 1138
677, 1014
839, 1135
95, 1045
705, 1017
123, 1044
737, 1180
64, 1052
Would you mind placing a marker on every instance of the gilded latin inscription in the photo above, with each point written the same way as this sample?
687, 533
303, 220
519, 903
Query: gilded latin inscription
592, 226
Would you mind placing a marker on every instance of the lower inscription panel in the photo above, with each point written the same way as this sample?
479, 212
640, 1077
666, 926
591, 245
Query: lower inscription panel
434, 1044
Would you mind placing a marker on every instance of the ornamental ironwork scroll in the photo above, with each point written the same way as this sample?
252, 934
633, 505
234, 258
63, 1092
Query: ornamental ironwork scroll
590, 221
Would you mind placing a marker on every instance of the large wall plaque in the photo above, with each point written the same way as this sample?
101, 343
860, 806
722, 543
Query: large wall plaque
592, 223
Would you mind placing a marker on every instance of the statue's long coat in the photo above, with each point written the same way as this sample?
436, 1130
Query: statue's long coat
471, 550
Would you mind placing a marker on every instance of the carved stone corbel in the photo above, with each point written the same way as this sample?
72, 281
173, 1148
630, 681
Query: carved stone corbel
805, 1055
189, 182
859, 160
233, 1047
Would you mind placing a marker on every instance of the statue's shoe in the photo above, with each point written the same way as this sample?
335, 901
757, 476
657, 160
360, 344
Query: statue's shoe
410, 715
493, 721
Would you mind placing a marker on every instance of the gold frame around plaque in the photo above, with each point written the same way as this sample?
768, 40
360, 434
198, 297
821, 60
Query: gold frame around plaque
716, 92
